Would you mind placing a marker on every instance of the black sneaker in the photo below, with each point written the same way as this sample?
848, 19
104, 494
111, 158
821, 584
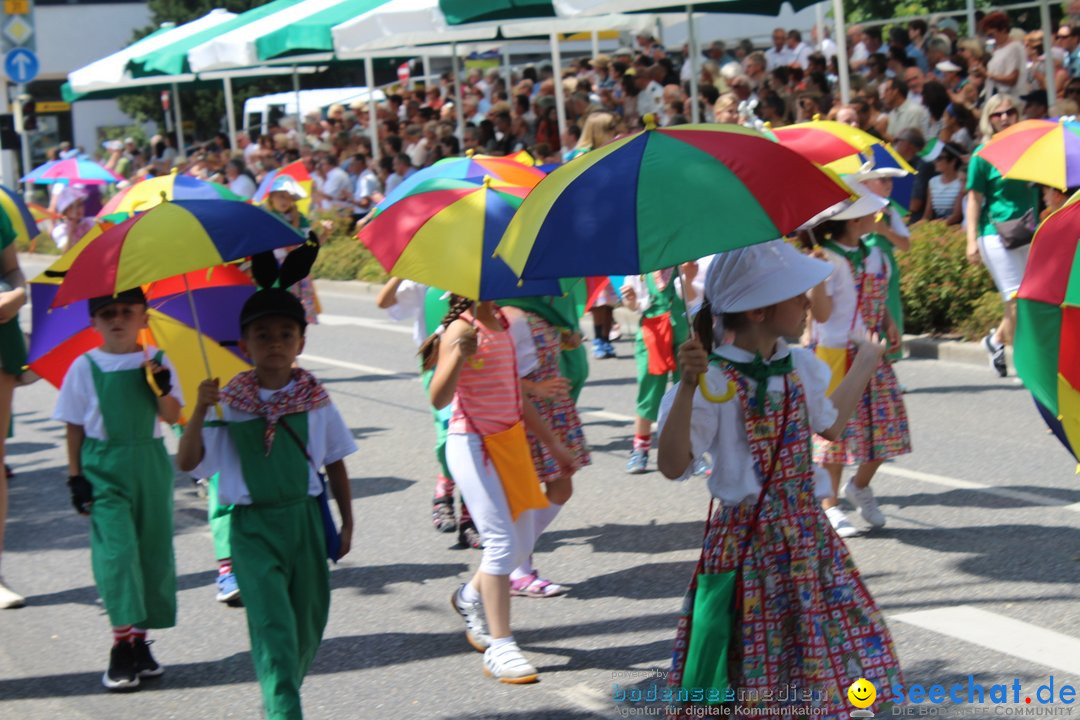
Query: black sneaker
145, 664
121, 674
469, 536
997, 355
442, 514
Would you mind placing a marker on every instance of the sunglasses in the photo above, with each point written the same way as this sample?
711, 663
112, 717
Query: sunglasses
110, 313
1005, 113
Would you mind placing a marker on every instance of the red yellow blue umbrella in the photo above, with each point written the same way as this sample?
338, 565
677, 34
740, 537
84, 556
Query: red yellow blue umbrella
1046, 152
151, 192
665, 196
170, 239
839, 147
21, 217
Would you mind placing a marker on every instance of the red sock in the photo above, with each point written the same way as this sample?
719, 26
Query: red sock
138, 634
121, 634
642, 442
443, 486
224, 566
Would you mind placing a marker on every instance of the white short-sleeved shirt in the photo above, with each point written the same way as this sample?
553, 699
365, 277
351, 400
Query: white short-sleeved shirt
329, 440
840, 286
410, 300
78, 402
719, 429
641, 289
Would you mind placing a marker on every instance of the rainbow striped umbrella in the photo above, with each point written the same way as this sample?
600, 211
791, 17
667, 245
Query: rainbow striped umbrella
1047, 342
839, 147
664, 196
297, 172
21, 217
151, 192
170, 239
471, 169
72, 170
444, 233
1046, 152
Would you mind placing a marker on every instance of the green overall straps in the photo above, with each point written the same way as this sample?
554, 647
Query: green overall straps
279, 557
131, 521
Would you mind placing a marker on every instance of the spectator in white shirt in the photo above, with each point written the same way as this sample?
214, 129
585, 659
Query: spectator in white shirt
779, 55
240, 181
335, 187
800, 51
903, 112
368, 190
402, 169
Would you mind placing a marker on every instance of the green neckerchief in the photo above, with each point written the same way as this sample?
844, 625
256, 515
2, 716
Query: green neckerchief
854, 255
760, 371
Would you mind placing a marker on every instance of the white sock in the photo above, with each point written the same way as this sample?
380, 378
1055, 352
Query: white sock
541, 519
469, 594
497, 643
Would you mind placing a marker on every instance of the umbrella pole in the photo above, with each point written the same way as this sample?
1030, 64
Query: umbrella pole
198, 330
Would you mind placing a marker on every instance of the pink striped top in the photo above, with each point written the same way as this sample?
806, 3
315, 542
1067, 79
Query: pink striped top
488, 395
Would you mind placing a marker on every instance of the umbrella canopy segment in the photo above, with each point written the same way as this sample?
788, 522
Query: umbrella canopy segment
474, 169
311, 34
842, 148
73, 170
1046, 152
151, 192
22, 219
1047, 343
661, 197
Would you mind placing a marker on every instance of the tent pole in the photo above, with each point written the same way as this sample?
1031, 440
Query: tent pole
426, 60
842, 51
973, 31
299, 113
230, 113
595, 43
1048, 45
458, 109
508, 70
177, 121
691, 45
373, 121
560, 99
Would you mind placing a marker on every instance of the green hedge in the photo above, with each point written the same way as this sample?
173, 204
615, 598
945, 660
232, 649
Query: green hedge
941, 291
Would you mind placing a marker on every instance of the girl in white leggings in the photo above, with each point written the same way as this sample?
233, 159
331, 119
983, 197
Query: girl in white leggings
477, 370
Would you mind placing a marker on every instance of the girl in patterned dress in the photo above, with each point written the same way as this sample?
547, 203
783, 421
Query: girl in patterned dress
281, 200
802, 616
853, 301
538, 352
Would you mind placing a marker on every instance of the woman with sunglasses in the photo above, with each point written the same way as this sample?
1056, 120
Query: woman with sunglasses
992, 200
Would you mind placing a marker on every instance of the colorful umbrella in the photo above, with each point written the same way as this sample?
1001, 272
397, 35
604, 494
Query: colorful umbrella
471, 169
73, 170
170, 239
21, 217
1046, 152
1047, 342
42, 213
665, 196
839, 147
149, 193
444, 233
297, 172
62, 334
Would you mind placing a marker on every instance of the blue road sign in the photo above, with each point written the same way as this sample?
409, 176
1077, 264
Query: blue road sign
21, 65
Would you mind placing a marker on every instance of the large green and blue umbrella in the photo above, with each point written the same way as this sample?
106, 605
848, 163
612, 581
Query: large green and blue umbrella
665, 196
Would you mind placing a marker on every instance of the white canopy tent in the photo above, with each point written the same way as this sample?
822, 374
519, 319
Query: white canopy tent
305, 101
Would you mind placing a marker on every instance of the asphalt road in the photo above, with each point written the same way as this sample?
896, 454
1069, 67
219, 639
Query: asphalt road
977, 571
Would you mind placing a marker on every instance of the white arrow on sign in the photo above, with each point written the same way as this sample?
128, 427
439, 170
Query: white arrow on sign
21, 65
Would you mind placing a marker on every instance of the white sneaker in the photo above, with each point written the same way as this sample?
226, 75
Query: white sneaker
840, 523
863, 498
508, 665
9, 599
476, 630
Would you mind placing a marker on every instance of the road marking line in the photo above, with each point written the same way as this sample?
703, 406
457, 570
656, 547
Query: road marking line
337, 320
1001, 634
605, 415
355, 366
1020, 495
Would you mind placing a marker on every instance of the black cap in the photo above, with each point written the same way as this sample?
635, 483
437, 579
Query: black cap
134, 296
1036, 96
272, 301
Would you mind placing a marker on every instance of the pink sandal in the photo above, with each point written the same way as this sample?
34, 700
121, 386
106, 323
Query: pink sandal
532, 585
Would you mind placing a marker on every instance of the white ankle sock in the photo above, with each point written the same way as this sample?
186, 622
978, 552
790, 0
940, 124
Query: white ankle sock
469, 594
497, 643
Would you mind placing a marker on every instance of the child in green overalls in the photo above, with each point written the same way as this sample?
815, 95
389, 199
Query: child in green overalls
120, 475
662, 329
278, 426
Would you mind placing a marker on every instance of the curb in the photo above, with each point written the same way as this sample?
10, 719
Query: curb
921, 347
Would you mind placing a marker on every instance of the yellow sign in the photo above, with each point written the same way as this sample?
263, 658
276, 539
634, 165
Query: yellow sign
16, 7
52, 106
